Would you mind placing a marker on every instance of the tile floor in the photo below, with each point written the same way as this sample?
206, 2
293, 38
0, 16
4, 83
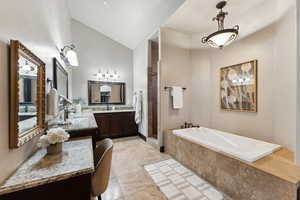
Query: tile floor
130, 181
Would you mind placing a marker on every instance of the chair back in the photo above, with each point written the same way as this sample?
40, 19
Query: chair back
102, 161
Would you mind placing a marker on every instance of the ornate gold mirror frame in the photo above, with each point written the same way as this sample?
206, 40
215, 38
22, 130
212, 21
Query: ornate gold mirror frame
16, 139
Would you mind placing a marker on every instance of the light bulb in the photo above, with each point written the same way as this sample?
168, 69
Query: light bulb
72, 58
99, 75
26, 68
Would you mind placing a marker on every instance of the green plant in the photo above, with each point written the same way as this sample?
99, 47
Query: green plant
78, 100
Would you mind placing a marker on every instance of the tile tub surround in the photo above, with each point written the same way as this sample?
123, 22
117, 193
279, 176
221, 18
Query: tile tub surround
272, 177
238, 146
178, 182
76, 159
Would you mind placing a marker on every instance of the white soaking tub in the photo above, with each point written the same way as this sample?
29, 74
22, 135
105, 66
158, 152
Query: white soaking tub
244, 148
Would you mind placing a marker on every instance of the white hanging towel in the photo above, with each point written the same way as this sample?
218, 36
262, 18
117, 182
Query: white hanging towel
177, 93
52, 102
137, 104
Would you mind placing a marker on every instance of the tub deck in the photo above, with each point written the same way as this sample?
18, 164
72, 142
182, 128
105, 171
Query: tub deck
281, 164
272, 177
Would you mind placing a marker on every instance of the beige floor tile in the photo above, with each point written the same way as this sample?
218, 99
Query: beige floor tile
129, 157
122, 167
113, 191
149, 193
135, 181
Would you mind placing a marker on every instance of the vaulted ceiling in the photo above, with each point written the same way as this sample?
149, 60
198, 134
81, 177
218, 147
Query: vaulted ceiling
194, 17
125, 21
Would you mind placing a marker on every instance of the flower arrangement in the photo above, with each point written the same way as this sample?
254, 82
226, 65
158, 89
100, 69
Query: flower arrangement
54, 136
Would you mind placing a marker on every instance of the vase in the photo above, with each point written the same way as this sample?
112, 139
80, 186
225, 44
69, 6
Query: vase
53, 149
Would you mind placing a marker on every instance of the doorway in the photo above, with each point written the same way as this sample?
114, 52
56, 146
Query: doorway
153, 88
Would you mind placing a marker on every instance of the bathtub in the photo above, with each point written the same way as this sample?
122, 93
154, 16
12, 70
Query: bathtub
244, 148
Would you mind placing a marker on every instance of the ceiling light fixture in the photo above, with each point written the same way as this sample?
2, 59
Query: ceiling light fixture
222, 37
108, 76
69, 55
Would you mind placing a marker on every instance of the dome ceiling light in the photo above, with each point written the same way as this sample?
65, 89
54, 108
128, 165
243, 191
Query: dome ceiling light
222, 37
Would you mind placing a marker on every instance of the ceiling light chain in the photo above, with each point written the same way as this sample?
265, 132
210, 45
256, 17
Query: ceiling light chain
220, 18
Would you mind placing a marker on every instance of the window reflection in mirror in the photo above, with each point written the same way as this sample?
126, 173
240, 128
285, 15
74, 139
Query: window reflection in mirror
106, 93
28, 72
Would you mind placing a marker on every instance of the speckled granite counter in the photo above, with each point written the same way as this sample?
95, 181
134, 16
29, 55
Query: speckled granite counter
83, 121
40, 169
80, 122
112, 111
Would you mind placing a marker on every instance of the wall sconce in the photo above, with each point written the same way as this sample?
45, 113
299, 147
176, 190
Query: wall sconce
27, 68
108, 76
69, 55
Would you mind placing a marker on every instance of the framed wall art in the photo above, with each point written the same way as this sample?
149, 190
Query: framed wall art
238, 87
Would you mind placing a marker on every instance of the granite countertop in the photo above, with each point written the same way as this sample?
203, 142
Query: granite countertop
83, 121
112, 111
76, 159
86, 120
80, 122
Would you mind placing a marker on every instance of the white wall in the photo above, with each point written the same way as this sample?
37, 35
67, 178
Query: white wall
96, 51
41, 25
175, 71
140, 74
285, 83
275, 120
260, 46
298, 87
275, 49
174, 62
201, 88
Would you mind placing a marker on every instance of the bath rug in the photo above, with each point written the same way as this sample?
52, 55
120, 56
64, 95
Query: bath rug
179, 183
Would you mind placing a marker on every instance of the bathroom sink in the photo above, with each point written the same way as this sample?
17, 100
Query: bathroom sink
80, 120
75, 121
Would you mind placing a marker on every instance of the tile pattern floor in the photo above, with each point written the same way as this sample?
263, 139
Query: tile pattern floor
129, 180
179, 183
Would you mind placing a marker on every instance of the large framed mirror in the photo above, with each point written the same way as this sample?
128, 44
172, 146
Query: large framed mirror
103, 93
27, 95
60, 78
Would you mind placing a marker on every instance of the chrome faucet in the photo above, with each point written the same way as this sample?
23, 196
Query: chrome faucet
66, 103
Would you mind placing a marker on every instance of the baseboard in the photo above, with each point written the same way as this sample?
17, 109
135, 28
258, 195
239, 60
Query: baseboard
142, 136
162, 149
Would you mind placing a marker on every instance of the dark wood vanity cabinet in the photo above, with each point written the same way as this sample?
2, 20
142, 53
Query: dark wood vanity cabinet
116, 124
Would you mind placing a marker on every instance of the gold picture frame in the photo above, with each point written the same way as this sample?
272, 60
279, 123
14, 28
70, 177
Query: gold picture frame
238, 87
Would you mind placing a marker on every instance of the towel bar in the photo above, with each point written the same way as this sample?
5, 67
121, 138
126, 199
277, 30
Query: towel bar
167, 87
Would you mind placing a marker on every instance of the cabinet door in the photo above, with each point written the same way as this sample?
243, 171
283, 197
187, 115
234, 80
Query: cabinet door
130, 127
117, 125
103, 122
